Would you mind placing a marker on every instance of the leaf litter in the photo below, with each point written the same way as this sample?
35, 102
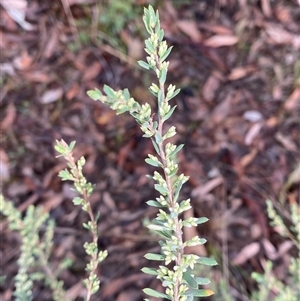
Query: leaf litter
238, 116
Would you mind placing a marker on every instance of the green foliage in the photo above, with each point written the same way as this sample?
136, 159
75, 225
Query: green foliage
176, 274
84, 188
35, 250
268, 283
115, 15
276, 220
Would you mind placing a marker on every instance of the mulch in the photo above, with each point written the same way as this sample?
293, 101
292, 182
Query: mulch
238, 66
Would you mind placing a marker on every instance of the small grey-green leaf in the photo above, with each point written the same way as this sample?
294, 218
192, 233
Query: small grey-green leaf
153, 256
149, 271
176, 150
94, 94
164, 234
190, 280
154, 204
71, 146
144, 65
149, 46
156, 294
201, 220
198, 293
152, 162
166, 54
202, 281
161, 189
155, 146
126, 94
163, 76
86, 226
109, 91
158, 138
206, 261
169, 114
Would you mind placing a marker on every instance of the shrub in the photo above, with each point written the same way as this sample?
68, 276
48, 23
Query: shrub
176, 270
176, 274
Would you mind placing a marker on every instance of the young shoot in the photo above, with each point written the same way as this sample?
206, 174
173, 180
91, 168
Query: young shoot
176, 268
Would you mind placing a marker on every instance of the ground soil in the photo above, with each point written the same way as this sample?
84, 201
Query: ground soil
238, 66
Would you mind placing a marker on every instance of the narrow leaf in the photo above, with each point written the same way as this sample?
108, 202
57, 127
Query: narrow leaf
178, 188
155, 146
198, 293
159, 98
163, 76
174, 94
149, 271
165, 234
202, 281
149, 46
156, 294
156, 227
161, 189
158, 138
152, 162
109, 91
166, 54
190, 280
71, 146
176, 150
201, 220
155, 204
126, 94
206, 261
169, 114
144, 65
153, 256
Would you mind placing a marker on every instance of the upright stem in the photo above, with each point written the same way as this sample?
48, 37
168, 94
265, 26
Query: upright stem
94, 231
178, 232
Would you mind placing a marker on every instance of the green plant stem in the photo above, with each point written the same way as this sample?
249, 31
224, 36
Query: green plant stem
178, 231
94, 231
58, 292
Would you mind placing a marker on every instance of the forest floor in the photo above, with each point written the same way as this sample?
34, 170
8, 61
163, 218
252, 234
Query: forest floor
238, 66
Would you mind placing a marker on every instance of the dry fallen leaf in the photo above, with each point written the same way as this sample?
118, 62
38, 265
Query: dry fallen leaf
279, 35
17, 9
293, 100
135, 46
4, 166
240, 72
91, 71
189, 27
207, 187
253, 116
223, 109
221, 40
23, 61
247, 159
9, 118
246, 253
210, 87
283, 13
216, 28
253, 132
286, 142
266, 8
51, 95
73, 91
